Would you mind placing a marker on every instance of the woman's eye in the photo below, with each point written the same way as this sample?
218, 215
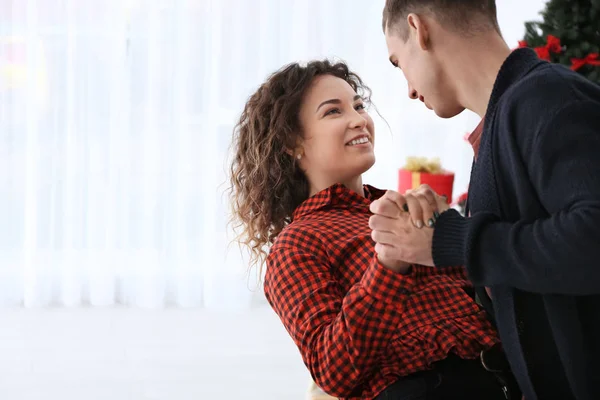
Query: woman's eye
360, 107
332, 111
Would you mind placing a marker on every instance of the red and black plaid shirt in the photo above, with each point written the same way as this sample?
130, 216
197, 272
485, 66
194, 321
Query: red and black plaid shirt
359, 326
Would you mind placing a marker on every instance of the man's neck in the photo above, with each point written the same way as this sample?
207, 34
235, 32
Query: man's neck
475, 78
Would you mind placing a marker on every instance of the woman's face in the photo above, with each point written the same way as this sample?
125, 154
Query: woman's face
338, 134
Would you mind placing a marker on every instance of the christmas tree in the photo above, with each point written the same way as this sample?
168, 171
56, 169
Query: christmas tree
569, 34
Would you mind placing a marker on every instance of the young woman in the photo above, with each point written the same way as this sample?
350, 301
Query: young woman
366, 327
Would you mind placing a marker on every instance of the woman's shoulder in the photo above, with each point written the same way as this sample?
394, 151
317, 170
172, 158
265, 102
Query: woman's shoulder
297, 242
300, 234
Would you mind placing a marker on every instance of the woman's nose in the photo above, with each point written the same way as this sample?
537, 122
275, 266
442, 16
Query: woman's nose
360, 122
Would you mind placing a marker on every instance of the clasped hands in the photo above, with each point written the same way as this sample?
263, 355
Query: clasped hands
402, 227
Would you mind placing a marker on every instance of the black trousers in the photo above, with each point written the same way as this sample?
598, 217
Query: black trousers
451, 379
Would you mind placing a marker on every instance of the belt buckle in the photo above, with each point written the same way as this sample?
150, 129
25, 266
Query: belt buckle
494, 360
487, 361
487, 365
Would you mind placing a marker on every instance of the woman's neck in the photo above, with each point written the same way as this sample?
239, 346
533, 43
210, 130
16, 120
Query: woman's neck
355, 184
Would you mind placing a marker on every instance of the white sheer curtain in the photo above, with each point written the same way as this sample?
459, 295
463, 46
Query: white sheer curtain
115, 120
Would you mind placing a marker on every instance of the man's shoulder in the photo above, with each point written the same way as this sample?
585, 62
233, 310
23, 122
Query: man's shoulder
532, 105
545, 90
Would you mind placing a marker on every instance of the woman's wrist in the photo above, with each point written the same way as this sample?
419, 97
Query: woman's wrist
401, 267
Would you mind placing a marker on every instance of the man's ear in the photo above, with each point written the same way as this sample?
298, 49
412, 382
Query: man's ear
418, 26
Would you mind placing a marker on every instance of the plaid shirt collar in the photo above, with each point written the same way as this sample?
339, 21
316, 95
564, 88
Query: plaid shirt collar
337, 196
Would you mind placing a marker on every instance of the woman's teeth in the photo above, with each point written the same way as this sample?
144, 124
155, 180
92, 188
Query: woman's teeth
359, 141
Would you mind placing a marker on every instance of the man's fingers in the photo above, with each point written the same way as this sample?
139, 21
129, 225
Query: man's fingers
397, 226
381, 223
396, 198
385, 207
383, 237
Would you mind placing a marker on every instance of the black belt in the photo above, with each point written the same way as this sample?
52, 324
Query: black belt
454, 369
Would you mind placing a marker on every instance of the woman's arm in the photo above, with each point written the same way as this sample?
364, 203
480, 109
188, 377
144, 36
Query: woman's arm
341, 336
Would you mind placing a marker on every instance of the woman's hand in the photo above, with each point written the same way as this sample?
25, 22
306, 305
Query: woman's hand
395, 238
424, 205
394, 265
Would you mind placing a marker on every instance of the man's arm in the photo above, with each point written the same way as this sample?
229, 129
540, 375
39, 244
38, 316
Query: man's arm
559, 254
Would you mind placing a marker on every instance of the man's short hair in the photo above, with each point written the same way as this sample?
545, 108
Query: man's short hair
468, 17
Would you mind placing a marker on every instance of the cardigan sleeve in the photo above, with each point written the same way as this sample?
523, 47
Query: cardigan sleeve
557, 254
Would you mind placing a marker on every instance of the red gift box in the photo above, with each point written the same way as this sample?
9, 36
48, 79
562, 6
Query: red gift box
441, 183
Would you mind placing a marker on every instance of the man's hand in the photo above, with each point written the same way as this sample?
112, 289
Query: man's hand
398, 234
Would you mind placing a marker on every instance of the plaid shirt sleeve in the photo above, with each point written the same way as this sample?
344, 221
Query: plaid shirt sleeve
340, 337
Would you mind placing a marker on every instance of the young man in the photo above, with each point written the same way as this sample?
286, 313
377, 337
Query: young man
533, 237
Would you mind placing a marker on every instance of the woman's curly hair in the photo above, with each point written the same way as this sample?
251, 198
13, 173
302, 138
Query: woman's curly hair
266, 182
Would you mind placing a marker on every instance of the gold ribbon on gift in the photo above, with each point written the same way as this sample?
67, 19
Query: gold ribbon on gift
423, 164
416, 180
